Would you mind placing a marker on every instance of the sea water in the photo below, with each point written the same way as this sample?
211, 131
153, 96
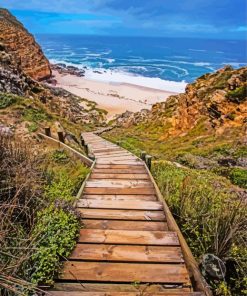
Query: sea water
162, 63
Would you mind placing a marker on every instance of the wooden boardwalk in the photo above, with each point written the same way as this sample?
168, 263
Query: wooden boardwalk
125, 247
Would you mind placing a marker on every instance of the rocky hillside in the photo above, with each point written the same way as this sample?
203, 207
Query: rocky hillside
22, 45
26, 105
219, 99
205, 127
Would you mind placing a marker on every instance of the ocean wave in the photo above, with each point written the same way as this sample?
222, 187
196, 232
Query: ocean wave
199, 50
126, 77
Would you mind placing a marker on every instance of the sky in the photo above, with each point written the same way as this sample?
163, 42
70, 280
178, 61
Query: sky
220, 19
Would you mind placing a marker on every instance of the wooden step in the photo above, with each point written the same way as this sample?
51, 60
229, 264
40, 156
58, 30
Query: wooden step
120, 197
112, 287
124, 205
125, 272
129, 237
120, 176
127, 191
124, 225
134, 171
168, 293
120, 253
120, 166
122, 214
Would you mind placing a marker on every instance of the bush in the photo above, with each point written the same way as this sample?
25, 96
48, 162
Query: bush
33, 127
6, 100
209, 212
238, 95
55, 231
35, 115
238, 177
60, 156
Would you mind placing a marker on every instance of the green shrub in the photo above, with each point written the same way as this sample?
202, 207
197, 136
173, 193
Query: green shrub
35, 115
7, 100
55, 233
238, 177
238, 95
209, 212
33, 127
60, 156
61, 187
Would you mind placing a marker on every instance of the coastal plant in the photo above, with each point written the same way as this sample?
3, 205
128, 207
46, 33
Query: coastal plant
33, 127
60, 156
6, 100
55, 236
238, 95
35, 115
211, 215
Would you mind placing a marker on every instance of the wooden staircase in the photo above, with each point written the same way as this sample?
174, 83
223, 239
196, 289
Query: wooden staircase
125, 247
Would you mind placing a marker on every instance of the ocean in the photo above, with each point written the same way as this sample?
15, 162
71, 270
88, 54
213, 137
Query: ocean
162, 63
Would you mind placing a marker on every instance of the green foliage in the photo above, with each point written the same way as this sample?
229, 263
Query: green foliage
238, 177
33, 127
210, 215
55, 233
7, 100
60, 156
238, 95
61, 187
35, 115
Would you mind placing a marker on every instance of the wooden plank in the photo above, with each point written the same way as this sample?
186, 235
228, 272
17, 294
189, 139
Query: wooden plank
102, 252
120, 197
124, 225
123, 162
124, 272
124, 205
120, 166
120, 176
119, 183
168, 293
128, 237
102, 287
99, 154
112, 154
139, 191
123, 214
132, 171
96, 150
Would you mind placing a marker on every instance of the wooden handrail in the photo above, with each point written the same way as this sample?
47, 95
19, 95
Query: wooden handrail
74, 152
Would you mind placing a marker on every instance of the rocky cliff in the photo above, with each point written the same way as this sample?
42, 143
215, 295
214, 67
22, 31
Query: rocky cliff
23, 47
218, 99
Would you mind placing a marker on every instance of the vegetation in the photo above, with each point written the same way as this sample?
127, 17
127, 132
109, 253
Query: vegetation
211, 216
7, 100
238, 95
39, 225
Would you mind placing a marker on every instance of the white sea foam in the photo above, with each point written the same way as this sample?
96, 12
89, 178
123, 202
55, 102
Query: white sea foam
125, 77
116, 76
199, 50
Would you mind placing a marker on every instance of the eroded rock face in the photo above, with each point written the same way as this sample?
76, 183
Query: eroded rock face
22, 45
218, 99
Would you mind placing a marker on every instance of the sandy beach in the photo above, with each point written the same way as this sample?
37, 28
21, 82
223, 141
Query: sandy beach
116, 98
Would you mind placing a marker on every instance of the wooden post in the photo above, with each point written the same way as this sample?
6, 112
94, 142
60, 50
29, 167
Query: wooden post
48, 131
91, 156
86, 149
60, 136
118, 143
82, 141
148, 160
143, 155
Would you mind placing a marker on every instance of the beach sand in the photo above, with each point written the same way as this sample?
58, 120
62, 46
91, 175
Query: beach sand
115, 98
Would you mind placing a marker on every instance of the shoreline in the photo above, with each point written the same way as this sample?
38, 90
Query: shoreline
115, 97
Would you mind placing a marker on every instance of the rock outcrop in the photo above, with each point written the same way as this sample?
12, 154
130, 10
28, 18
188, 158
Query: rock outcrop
218, 99
23, 47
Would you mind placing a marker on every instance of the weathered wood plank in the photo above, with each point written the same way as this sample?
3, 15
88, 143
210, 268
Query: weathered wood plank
123, 214
139, 191
119, 183
125, 225
119, 176
102, 252
101, 287
132, 171
168, 293
120, 197
124, 205
160, 238
120, 166
124, 272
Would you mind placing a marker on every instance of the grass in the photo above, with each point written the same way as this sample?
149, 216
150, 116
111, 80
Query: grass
211, 215
39, 225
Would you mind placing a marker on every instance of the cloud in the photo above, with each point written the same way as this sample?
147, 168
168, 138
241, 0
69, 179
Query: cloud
132, 17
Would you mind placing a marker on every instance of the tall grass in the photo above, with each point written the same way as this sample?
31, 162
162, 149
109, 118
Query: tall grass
212, 216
